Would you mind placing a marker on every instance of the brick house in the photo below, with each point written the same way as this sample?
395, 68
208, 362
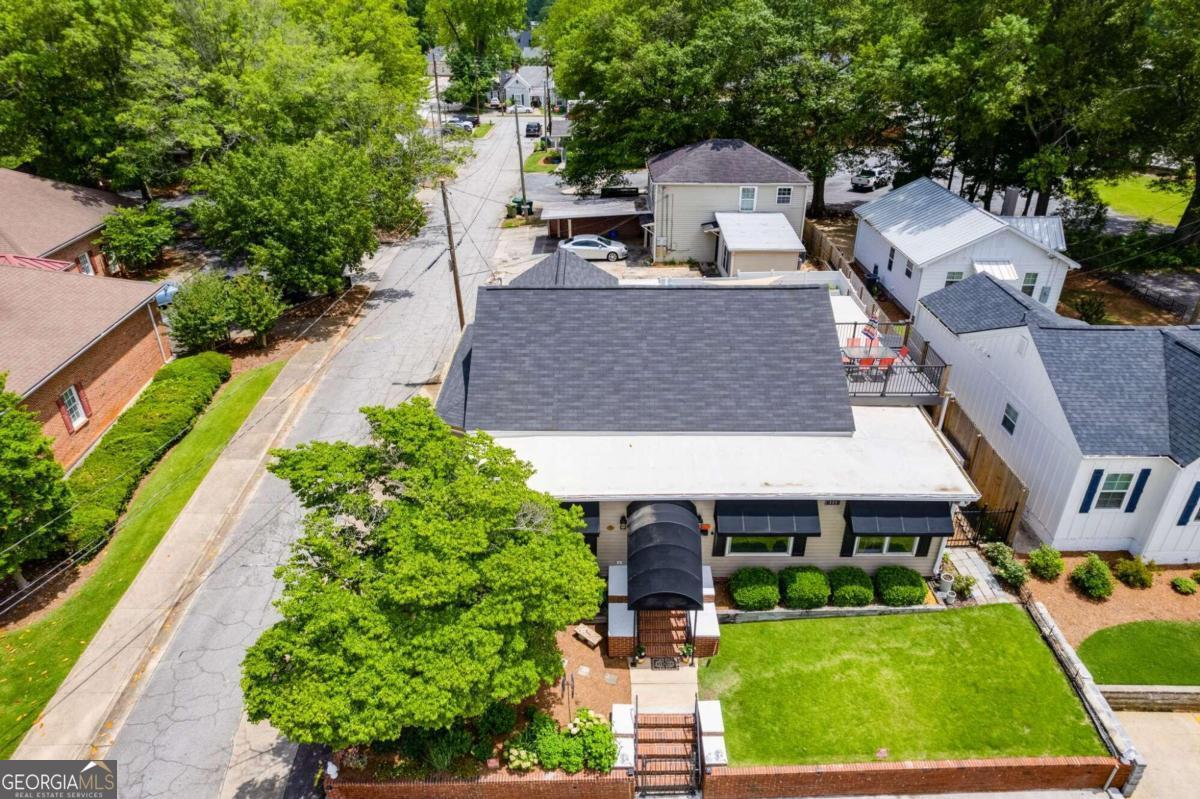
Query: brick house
48, 219
77, 350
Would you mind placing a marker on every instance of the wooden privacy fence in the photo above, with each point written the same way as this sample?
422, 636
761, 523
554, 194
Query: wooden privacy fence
822, 248
1001, 489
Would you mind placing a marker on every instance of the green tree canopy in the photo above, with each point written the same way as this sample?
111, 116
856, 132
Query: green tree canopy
429, 583
301, 214
34, 500
134, 237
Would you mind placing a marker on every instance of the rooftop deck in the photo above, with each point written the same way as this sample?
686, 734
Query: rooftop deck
889, 364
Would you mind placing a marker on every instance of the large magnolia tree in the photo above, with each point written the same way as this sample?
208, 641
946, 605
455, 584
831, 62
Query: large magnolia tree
429, 583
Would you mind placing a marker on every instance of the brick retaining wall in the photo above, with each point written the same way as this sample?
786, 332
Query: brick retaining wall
553, 785
932, 776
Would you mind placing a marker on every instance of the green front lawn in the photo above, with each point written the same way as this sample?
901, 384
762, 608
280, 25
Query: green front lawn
482, 129
975, 682
35, 659
534, 162
1136, 196
1144, 653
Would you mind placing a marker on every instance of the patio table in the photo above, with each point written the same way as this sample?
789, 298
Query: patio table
874, 351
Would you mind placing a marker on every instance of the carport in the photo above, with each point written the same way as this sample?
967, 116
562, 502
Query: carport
601, 215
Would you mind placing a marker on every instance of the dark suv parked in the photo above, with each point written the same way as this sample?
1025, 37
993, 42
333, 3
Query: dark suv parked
533, 129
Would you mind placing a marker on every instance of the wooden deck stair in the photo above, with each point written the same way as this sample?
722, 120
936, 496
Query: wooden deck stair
666, 748
662, 632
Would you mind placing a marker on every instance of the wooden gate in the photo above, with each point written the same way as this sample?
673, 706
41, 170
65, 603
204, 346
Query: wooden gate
1003, 492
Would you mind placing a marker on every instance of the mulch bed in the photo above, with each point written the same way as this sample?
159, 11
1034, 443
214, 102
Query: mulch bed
1078, 616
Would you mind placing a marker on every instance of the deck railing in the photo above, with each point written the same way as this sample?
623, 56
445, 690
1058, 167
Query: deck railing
899, 380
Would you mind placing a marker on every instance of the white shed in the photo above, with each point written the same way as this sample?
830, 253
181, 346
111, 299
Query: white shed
756, 243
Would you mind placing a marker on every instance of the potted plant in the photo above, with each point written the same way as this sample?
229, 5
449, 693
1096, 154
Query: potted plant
951, 597
685, 652
638, 654
945, 581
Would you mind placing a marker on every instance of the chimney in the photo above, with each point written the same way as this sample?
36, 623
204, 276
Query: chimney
1009, 208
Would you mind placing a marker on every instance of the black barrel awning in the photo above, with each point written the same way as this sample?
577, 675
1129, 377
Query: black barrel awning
591, 516
904, 518
761, 517
665, 565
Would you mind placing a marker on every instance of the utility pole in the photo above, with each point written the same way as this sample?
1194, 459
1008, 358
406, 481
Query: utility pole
520, 157
462, 320
546, 101
437, 93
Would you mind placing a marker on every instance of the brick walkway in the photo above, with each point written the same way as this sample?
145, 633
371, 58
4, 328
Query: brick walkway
988, 589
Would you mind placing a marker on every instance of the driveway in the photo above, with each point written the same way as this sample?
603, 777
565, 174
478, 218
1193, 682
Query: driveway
1170, 743
186, 736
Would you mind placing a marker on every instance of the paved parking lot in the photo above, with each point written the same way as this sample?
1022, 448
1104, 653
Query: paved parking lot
1170, 743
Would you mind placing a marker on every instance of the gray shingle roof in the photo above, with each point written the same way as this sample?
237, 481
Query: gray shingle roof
642, 359
564, 269
1182, 362
721, 161
983, 303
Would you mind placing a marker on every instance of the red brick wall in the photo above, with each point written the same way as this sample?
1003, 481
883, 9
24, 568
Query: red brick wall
112, 372
621, 647
89, 245
554, 785
933, 776
706, 647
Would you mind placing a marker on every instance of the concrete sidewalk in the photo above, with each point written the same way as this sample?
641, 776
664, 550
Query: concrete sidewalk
90, 704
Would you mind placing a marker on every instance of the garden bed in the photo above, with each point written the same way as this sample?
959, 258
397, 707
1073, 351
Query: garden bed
1144, 653
966, 683
1079, 617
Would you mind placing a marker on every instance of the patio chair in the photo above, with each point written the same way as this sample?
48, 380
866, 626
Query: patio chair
902, 353
866, 366
885, 365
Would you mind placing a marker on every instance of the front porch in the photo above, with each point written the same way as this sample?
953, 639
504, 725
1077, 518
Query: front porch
660, 634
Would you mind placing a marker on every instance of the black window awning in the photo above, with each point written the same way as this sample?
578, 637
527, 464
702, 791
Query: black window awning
591, 516
664, 560
904, 518
768, 517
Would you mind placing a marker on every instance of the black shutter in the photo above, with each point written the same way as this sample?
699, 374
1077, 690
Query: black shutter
1090, 494
798, 544
847, 542
1137, 491
718, 550
923, 546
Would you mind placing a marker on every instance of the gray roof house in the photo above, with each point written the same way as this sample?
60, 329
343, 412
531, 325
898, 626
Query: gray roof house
672, 412
921, 237
688, 187
528, 85
1101, 422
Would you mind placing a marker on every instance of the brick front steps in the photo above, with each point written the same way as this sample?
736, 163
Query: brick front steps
666, 752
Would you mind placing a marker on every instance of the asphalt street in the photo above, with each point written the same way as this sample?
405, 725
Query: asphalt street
178, 740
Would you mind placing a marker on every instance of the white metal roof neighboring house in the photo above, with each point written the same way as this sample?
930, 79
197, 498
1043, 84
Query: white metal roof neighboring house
766, 232
925, 221
1046, 229
1001, 270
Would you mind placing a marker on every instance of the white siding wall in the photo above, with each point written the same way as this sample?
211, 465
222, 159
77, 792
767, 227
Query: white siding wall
1170, 541
1003, 245
680, 209
823, 551
764, 261
988, 370
1114, 529
871, 250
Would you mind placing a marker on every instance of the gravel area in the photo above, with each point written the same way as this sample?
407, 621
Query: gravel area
1079, 617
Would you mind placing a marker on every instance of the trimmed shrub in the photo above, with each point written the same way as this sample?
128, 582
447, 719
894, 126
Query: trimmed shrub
755, 588
549, 748
1135, 573
499, 719
851, 587
964, 585
166, 410
1184, 585
572, 753
803, 587
1046, 562
1005, 564
899, 586
996, 552
1093, 578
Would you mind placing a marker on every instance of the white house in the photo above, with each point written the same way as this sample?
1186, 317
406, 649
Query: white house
690, 185
923, 237
701, 428
1101, 422
529, 85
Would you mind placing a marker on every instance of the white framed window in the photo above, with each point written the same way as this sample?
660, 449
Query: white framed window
1029, 283
1113, 491
783, 195
1009, 422
1044, 295
891, 257
779, 545
885, 545
74, 405
953, 277
85, 263
748, 198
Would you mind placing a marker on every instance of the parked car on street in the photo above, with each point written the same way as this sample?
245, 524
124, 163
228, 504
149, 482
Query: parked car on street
166, 295
533, 129
472, 118
595, 248
494, 102
457, 126
522, 109
870, 179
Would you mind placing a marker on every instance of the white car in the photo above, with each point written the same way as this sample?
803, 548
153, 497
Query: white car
595, 248
522, 109
870, 180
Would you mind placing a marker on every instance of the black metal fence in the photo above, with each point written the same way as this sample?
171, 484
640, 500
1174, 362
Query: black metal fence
1182, 308
898, 380
978, 524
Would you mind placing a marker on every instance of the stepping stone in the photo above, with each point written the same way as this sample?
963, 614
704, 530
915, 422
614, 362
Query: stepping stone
583, 671
611, 679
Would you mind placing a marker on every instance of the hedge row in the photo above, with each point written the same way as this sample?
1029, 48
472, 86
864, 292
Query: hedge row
104, 482
807, 587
